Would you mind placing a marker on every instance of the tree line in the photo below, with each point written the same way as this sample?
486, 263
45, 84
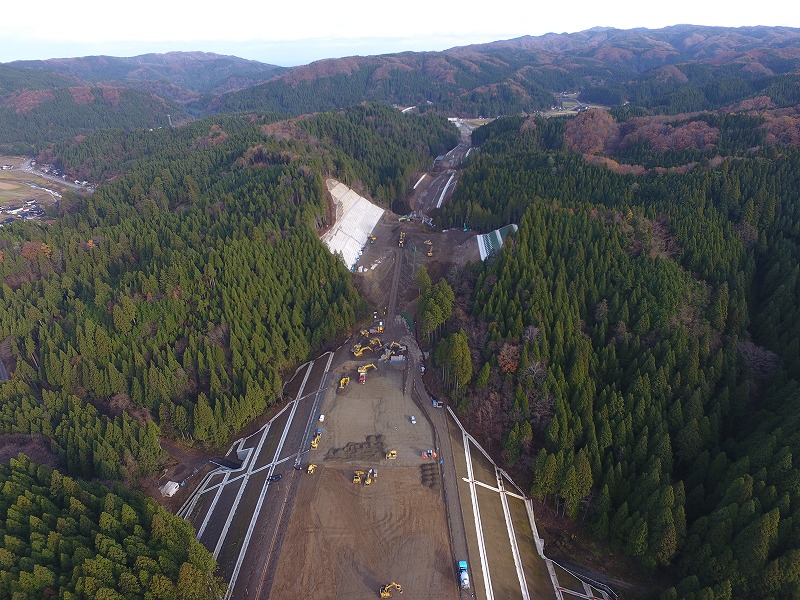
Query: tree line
638, 353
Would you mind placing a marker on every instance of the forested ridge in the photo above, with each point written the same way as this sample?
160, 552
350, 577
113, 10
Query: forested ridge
172, 301
636, 349
661, 71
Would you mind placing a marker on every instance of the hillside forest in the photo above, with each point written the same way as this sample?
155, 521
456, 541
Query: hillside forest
632, 352
635, 343
170, 303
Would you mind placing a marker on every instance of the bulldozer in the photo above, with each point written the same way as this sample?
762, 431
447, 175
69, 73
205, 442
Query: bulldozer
357, 475
311, 469
391, 455
386, 590
343, 382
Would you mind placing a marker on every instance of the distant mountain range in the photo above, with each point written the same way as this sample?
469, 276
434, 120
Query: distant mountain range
670, 70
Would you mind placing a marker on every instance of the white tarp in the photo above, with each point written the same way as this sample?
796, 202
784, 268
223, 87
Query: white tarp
169, 488
356, 217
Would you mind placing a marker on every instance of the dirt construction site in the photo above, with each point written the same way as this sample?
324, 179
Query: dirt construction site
346, 540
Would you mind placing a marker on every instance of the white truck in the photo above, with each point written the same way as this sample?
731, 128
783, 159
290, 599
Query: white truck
463, 574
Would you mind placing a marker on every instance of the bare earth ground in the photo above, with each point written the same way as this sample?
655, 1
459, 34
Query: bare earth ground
346, 540
452, 248
14, 188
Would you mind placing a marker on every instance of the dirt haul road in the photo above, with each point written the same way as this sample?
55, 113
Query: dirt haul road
346, 540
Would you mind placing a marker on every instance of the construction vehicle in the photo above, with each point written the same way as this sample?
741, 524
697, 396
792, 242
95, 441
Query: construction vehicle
372, 239
315, 440
368, 480
311, 469
428, 243
380, 326
391, 455
357, 475
430, 251
404, 218
463, 574
376, 343
358, 350
386, 590
343, 382
402, 239
362, 372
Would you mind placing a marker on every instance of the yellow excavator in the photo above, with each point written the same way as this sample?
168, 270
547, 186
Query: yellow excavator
391, 455
366, 368
386, 590
372, 239
430, 251
315, 440
358, 350
368, 480
375, 343
311, 469
357, 475
343, 382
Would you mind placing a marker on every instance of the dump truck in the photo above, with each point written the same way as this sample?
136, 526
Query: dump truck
463, 574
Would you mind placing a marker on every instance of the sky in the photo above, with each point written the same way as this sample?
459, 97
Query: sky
290, 33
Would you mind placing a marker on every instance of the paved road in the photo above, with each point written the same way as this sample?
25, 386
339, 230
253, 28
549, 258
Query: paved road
238, 512
27, 168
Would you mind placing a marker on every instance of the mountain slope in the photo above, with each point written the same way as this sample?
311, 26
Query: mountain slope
522, 74
51, 100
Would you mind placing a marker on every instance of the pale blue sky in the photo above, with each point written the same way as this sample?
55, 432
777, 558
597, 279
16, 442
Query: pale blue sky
292, 33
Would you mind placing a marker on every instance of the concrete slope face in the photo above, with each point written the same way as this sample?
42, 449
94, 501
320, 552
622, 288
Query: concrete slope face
356, 217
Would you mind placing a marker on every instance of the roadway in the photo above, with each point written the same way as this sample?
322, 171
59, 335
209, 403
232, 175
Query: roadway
238, 513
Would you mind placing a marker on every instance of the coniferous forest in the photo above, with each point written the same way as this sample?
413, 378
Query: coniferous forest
632, 352
636, 349
171, 302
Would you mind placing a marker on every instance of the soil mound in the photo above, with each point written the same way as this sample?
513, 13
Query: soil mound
371, 449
